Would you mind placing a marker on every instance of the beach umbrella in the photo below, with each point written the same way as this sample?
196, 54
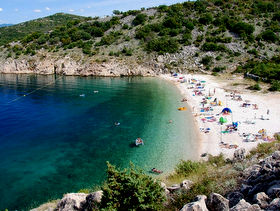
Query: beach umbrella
226, 110
223, 120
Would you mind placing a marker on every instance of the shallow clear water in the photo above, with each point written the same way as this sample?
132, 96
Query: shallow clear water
54, 141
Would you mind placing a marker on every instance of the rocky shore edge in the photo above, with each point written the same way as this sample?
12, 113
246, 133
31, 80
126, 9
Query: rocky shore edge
259, 190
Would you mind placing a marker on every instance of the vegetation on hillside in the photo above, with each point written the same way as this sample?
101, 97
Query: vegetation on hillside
43, 25
131, 189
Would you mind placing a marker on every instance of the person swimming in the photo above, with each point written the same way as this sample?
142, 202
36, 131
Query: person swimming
156, 171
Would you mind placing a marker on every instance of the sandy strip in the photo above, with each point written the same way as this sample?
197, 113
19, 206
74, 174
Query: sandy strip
249, 119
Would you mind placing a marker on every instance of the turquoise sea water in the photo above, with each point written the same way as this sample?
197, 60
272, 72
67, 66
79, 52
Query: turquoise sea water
54, 141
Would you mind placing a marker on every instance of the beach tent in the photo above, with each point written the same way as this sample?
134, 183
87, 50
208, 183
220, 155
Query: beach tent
175, 74
223, 120
226, 110
235, 124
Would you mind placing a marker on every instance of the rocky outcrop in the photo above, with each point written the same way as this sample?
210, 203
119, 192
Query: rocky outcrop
260, 189
68, 66
216, 202
245, 206
186, 184
198, 205
71, 201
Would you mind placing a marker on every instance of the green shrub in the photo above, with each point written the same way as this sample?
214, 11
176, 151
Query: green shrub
163, 45
218, 69
269, 35
127, 52
139, 19
185, 168
172, 23
255, 87
206, 19
275, 86
125, 26
206, 60
218, 160
242, 28
131, 189
210, 46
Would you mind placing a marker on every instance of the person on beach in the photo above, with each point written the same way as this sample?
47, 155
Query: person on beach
267, 112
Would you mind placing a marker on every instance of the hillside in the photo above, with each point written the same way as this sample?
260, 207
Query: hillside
215, 36
43, 25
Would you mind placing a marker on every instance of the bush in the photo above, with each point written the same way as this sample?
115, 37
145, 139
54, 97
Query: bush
206, 19
255, 87
269, 35
131, 189
163, 45
210, 46
218, 160
275, 86
185, 168
206, 60
218, 69
242, 28
139, 19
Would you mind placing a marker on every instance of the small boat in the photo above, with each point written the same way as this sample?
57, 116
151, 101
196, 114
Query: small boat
117, 123
182, 108
156, 171
95, 91
82, 95
139, 141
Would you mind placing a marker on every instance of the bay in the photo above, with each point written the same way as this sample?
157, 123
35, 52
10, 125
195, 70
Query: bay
57, 132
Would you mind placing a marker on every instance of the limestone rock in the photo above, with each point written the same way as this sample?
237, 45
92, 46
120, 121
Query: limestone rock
234, 198
245, 206
174, 187
216, 202
274, 205
186, 184
198, 205
49, 206
261, 199
239, 154
276, 155
71, 202
163, 185
91, 200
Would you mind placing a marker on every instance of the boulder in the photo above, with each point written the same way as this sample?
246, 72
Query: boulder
198, 205
71, 202
234, 198
216, 202
274, 205
163, 185
239, 154
174, 187
245, 206
186, 184
276, 155
245, 188
91, 200
261, 199
274, 189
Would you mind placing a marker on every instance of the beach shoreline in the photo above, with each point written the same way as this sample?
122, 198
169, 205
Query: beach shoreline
251, 119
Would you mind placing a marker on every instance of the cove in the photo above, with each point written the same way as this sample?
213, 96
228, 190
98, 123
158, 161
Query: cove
57, 132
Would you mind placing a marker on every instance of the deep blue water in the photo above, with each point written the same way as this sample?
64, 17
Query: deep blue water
54, 141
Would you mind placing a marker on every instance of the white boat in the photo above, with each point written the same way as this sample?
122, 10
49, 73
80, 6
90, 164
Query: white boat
139, 141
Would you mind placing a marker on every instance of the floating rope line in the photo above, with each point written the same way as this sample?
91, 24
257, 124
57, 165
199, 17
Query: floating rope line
29, 93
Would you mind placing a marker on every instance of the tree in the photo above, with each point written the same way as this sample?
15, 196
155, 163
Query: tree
131, 189
116, 12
